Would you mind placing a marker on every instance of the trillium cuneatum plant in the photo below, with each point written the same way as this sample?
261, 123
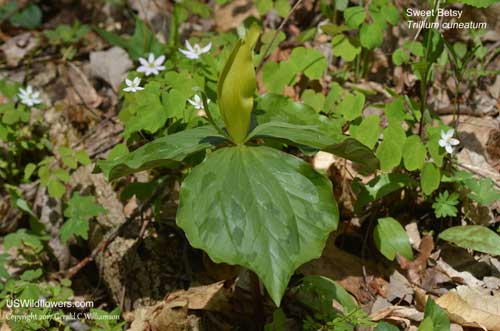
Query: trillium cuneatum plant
249, 203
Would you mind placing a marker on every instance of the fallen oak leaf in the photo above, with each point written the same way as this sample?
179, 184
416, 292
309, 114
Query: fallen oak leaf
213, 297
473, 307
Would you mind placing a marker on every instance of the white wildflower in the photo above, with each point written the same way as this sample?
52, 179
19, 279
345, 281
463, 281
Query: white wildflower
133, 85
194, 52
29, 97
151, 65
198, 104
447, 141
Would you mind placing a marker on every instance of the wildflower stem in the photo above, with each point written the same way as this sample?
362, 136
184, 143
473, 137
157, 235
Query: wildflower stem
280, 27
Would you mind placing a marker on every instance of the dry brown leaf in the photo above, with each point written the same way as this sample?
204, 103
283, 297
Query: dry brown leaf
399, 312
111, 65
233, 13
416, 267
475, 307
463, 277
83, 87
213, 297
18, 47
399, 288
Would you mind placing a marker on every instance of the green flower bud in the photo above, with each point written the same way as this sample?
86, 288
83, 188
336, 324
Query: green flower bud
236, 87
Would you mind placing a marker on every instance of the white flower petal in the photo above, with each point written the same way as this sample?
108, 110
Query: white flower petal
442, 142
454, 141
151, 58
160, 60
142, 69
143, 61
137, 81
207, 48
449, 149
128, 89
188, 46
188, 54
139, 88
128, 82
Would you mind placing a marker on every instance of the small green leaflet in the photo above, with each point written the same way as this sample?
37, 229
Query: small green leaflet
379, 187
414, 153
354, 16
79, 211
389, 152
345, 47
142, 42
368, 131
445, 203
307, 60
20, 237
482, 191
430, 177
391, 238
435, 318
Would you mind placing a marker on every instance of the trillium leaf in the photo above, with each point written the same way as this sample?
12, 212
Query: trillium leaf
167, 151
476, 237
259, 208
278, 108
314, 137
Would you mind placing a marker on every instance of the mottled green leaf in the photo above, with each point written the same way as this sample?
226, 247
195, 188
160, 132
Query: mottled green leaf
314, 137
167, 151
259, 208
476, 237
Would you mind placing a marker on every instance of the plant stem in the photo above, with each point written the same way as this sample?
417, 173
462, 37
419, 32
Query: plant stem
424, 80
280, 27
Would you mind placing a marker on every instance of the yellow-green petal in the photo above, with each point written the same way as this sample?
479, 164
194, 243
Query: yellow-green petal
237, 86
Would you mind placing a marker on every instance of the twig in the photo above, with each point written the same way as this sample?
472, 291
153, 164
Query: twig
280, 27
112, 236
